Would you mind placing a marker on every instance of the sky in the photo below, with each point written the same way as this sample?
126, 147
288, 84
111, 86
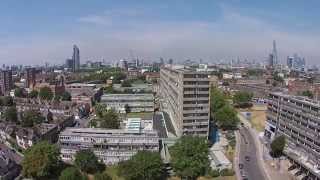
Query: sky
37, 31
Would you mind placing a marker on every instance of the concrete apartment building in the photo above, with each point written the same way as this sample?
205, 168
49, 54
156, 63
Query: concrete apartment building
110, 145
297, 118
6, 83
186, 94
76, 89
135, 102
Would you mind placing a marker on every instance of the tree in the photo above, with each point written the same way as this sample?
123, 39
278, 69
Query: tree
102, 176
7, 101
31, 118
66, 96
277, 146
126, 83
217, 99
40, 161
226, 118
33, 94
144, 165
307, 93
71, 173
10, 114
242, 98
189, 157
19, 92
46, 93
127, 108
100, 109
88, 162
110, 120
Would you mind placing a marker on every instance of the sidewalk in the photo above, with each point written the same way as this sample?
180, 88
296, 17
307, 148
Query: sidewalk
271, 173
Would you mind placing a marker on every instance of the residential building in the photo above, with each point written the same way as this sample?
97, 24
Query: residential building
131, 102
76, 58
8, 168
30, 77
76, 89
186, 95
298, 119
110, 145
6, 83
26, 137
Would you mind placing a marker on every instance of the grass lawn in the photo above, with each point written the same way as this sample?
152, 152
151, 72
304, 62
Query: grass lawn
258, 119
140, 115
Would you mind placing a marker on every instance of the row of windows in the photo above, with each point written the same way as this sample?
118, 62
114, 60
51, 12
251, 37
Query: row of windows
196, 89
195, 95
196, 102
195, 114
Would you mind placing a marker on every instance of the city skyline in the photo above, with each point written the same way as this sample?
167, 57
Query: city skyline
211, 30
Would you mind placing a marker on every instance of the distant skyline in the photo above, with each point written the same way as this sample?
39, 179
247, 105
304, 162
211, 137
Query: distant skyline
34, 32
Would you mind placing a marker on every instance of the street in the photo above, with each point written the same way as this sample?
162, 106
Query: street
248, 156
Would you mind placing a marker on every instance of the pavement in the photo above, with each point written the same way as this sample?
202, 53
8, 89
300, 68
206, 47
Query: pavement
159, 125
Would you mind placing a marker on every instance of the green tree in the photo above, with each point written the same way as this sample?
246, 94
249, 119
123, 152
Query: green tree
100, 109
189, 157
10, 114
226, 118
40, 161
33, 94
126, 83
217, 99
144, 165
46, 93
7, 101
307, 93
88, 162
66, 96
102, 176
277, 146
19, 92
110, 120
31, 118
71, 173
242, 98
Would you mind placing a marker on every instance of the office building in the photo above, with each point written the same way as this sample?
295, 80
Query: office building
186, 95
30, 77
132, 102
76, 58
296, 63
110, 145
6, 83
69, 64
298, 119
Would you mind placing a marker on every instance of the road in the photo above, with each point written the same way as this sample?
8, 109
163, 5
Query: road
251, 168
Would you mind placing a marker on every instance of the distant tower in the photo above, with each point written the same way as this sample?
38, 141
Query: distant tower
274, 53
76, 58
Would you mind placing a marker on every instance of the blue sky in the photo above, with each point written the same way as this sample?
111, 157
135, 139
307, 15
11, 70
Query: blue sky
38, 31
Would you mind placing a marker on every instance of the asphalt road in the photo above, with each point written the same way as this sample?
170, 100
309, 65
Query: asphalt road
251, 168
